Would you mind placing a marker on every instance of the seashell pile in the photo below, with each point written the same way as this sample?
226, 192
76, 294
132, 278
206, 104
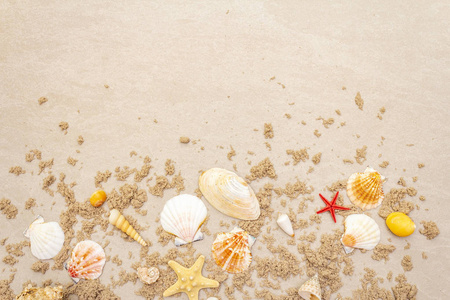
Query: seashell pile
118, 220
229, 194
365, 190
46, 239
310, 290
361, 232
285, 223
87, 261
47, 293
400, 224
231, 250
182, 216
148, 275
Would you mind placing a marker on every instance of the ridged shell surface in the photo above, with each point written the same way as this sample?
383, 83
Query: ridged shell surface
182, 216
310, 290
87, 261
365, 190
46, 239
148, 275
231, 250
361, 232
47, 293
229, 194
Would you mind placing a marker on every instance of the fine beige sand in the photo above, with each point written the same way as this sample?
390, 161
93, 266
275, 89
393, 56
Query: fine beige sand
136, 76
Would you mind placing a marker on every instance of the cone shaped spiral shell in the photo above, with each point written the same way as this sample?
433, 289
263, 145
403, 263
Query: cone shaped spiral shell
285, 223
46, 239
361, 232
310, 290
118, 220
87, 261
182, 216
365, 190
231, 250
229, 194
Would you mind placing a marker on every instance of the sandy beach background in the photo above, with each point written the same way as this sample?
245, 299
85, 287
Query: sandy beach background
136, 76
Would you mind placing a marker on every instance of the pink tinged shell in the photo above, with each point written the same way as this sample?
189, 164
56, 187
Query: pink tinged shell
231, 251
148, 275
87, 261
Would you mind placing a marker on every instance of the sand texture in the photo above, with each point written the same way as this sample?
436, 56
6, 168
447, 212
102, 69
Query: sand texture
138, 98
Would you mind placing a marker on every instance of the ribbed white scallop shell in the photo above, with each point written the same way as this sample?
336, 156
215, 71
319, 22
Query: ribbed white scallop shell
182, 216
361, 232
46, 239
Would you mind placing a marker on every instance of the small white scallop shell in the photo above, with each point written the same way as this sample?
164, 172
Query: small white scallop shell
285, 223
46, 239
87, 261
229, 194
361, 232
182, 216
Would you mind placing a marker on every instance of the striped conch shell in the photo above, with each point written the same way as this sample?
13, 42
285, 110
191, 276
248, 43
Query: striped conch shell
310, 290
229, 194
361, 232
365, 190
118, 220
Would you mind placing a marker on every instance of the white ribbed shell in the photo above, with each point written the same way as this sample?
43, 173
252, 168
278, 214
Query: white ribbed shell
182, 216
46, 239
229, 194
361, 232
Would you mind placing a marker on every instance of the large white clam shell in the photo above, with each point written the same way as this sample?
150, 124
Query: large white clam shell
310, 290
229, 194
361, 232
182, 216
87, 261
46, 239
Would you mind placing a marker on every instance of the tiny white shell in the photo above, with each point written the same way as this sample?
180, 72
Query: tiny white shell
46, 239
285, 223
182, 216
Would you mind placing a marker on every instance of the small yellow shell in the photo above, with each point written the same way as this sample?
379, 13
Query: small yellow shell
98, 198
400, 224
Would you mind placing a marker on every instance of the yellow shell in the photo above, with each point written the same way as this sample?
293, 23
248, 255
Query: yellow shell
98, 198
400, 224
365, 190
118, 220
48, 293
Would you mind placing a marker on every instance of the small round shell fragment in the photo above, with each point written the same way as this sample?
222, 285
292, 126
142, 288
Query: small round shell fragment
310, 290
285, 223
400, 224
46, 239
229, 194
182, 216
361, 232
98, 198
47, 293
87, 261
365, 190
148, 275
231, 250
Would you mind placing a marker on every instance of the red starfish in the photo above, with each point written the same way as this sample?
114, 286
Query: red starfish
331, 206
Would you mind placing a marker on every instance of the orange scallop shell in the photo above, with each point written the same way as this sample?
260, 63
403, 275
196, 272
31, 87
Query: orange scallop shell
231, 250
87, 261
365, 190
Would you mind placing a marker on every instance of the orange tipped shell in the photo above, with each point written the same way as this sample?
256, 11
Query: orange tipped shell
231, 250
98, 198
365, 190
87, 261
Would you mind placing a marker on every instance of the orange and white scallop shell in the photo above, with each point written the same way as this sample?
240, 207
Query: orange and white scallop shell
361, 232
231, 250
87, 261
365, 190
